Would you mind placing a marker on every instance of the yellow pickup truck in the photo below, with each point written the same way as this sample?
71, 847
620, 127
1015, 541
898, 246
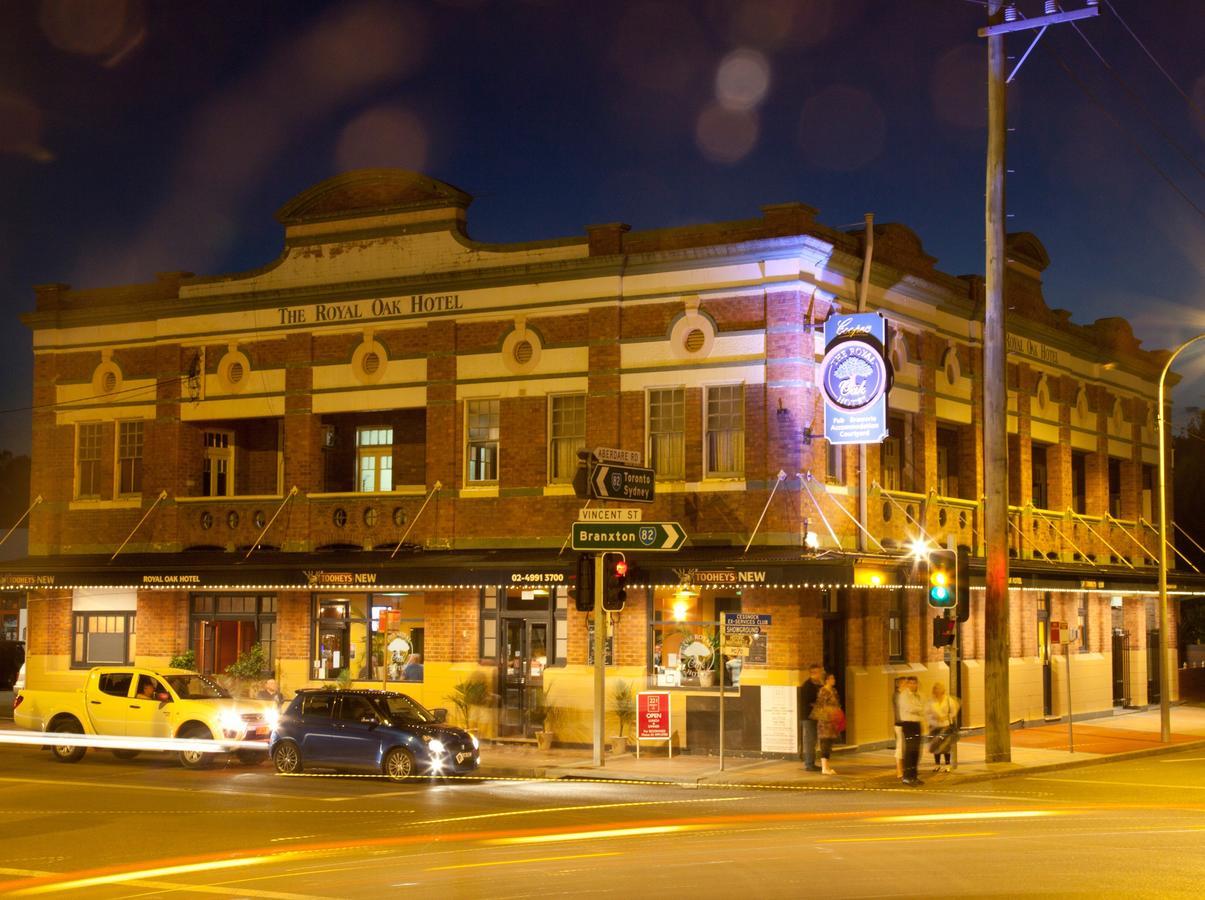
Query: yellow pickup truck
137, 703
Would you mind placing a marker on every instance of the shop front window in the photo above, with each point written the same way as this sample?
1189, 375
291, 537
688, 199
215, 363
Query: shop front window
684, 639
103, 639
378, 637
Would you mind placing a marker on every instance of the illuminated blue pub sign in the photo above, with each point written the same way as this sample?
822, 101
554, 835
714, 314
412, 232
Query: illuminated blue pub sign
855, 377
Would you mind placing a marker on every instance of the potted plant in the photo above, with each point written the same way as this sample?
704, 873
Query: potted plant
544, 716
184, 659
469, 694
623, 704
247, 669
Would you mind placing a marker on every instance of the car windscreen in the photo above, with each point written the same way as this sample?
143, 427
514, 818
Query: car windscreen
404, 711
195, 687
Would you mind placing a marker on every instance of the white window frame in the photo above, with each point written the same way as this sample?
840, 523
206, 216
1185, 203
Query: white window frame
96, 429
119, 474
469, 443
214, 455
653, 457
575, 441
379, 452
736, 471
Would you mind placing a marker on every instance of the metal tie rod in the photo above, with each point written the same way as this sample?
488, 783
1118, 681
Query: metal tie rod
1073, 544
1141, 546
851, 518
1170, 544
896, 504
804, 479
292, 493
434, 490
1101, 537
1017, 528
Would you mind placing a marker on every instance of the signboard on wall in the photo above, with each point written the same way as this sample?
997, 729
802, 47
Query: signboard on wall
652, 716
855, 377
779, 718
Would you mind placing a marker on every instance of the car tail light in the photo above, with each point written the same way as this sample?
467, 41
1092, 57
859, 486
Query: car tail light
17, 700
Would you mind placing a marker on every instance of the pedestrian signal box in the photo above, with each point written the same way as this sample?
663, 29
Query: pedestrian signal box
584, 592
944, 631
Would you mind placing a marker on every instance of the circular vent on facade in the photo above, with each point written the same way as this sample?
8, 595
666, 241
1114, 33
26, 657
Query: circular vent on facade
206, 520
109, 382
235, 374
339, 517
370, 516
695, 339
523, 352
372, 362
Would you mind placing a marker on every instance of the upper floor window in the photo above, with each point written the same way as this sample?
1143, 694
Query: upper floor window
947, 462
483, 430
567, 435
726, 429
1040, 476
1079, 482
1114, 486
374, 459
667, 432
87, 460
895, 627
217, 469
129, 457
894, 468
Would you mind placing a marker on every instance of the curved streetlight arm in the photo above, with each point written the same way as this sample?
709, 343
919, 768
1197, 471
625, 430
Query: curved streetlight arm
1165, 681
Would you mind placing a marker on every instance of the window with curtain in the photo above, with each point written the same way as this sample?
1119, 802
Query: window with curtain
567, 435
483, 430
374, 459
726, 430
102, 638
667, 432
87, 460
129, 457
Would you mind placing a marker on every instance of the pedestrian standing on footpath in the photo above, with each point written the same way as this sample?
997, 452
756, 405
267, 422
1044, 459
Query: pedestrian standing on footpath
911, 710
811, 689
830, 720
899, 732
941, 712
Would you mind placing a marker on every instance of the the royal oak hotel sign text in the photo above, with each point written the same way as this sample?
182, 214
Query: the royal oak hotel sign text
358, 310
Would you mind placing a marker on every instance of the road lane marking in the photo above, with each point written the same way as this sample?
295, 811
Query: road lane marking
955, 817
373, 796
120, 786
1136, 784
906, 837
143, 874
556, 809
29, 873
644, 831
515, 862
158, 887
1189, 759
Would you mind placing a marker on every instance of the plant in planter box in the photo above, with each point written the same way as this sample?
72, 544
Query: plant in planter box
184, 659
251, 666
545, 716
469, 694
623, 704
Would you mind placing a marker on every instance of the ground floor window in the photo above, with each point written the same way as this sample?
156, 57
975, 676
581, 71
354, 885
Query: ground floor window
370, 637
224, 626
102, 639
684, 638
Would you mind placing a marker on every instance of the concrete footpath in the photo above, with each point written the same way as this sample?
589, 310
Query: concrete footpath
1034, 749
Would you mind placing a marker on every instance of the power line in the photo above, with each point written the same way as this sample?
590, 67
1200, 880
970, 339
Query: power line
1151, 56
67, 404
1139, 105
1126, 133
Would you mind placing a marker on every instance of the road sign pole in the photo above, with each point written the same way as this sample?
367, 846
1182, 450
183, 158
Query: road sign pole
719, 664
600, 662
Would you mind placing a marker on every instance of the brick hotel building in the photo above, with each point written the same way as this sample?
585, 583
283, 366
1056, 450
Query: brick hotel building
360, 456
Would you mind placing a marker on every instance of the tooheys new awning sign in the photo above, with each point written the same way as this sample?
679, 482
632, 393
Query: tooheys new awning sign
855, 377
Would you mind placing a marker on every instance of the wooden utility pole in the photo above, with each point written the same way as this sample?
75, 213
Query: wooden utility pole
995, 388
995, 419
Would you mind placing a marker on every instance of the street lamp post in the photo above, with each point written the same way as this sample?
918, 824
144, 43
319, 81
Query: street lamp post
1165, 681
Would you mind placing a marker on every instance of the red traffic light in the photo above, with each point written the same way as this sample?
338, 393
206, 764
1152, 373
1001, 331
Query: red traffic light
621, 568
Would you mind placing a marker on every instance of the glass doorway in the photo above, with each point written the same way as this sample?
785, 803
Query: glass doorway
523, 658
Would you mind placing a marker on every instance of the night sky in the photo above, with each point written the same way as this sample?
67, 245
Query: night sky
138, 138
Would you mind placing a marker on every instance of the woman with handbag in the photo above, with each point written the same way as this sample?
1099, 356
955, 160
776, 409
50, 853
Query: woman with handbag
830, 720
942, 714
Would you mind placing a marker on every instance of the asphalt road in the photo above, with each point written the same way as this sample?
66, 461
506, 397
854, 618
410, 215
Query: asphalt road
110, 828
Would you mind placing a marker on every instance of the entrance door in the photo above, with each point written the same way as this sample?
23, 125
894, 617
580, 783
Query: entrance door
833, 651
525, 656
1152, 666
1121, 667
1044, 656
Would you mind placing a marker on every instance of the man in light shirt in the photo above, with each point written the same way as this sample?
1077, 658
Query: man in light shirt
910, 712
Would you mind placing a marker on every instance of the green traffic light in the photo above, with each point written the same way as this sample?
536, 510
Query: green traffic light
940, 594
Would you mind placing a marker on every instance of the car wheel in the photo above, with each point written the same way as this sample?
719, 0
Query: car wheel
250, 757
399, 764
196, 759
68, 753
125, 754
287, 758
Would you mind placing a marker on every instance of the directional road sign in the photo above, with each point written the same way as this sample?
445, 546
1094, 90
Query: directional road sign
610, 514
619, 536
745, 623
610, 482
615, 455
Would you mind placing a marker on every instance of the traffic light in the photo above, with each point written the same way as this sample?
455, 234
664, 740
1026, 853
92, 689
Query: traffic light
943, 579
585, 583
962, 583
615, 577
944, 630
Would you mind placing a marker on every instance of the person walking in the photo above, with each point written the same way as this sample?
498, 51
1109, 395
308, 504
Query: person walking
830, 720
811, 689
911, 710
941, 712
899, 731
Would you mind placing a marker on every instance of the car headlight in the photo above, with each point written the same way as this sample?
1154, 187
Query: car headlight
476, 743
231, 722
272, 718
435, 745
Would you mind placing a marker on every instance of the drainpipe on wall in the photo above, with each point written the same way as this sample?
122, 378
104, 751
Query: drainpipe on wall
863, 290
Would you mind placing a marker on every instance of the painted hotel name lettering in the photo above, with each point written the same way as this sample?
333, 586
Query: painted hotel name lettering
171, 579
415, 305
1026, 347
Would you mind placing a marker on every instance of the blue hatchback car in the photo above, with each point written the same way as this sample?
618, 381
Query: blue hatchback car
376, 731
